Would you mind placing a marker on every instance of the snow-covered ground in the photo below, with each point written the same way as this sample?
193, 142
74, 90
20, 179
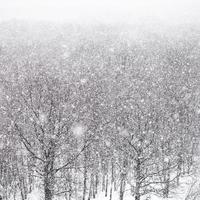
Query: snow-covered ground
188, 189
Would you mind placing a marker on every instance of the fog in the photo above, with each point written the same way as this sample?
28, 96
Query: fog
102, 11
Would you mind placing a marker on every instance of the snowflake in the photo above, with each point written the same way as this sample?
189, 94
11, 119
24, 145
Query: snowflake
111, 49
123, 132
83, 81
42, 118
107, 143
198, 111
78, 130
66, 55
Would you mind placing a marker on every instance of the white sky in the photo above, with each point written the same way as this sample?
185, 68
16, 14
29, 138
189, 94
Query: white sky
101, 10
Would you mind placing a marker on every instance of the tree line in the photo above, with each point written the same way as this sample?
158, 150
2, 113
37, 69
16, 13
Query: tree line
99, 116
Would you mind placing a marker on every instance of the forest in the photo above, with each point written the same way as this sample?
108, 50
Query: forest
99, 112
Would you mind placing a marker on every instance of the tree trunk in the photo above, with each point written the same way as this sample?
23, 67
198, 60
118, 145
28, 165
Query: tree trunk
48, 192
138, 176
93, 187
179, 168
111, 186
85, 176
106, 191
122, 187
115, 185
96, 184
70, 185
90, 190
112, 179
167, 181
23, 190
49, 176
48, 185
122, 184
103, 182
